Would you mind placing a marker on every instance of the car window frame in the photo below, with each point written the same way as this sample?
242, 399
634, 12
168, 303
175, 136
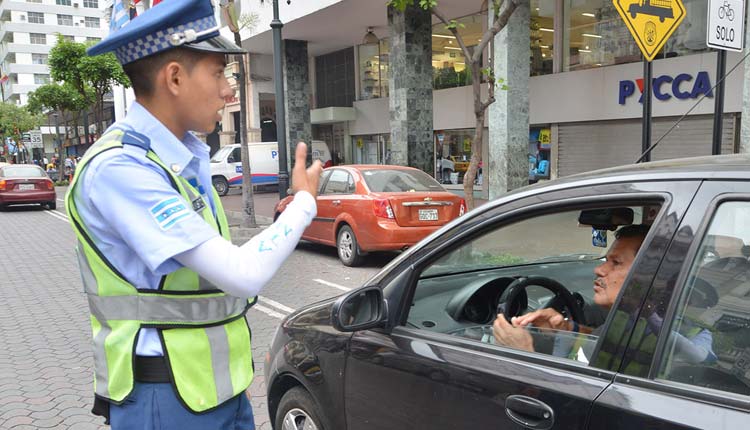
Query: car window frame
398, 278
717, 193
333, 171
323, 180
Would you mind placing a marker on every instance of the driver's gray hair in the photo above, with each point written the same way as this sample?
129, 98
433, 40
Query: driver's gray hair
635, 230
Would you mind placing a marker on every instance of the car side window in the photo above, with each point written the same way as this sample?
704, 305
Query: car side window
338, 182
235, 156
557, 268
709, 337
323, 178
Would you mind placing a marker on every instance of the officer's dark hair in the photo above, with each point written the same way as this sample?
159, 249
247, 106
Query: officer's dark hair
141, 72
635, 230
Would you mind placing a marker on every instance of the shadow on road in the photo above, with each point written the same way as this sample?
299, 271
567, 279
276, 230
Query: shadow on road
373, 259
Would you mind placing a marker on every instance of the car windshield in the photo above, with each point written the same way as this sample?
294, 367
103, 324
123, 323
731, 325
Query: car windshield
397, 180
23, 172
221, 154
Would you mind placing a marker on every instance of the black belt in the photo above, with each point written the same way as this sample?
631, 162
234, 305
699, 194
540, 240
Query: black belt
151, 369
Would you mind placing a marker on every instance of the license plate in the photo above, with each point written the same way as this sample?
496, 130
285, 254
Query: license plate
428, 214
25, 187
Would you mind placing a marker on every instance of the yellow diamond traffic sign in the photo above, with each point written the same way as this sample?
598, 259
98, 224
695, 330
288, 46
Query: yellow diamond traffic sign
651, 22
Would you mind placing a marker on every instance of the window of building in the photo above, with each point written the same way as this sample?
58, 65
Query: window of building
38, 38
65, 20
709, 336
453, 155
373, 70
93, 39
92, 22
69, 38
594, 35
39, 58
41, 79
448, 62
371, 149
334, 79
33, 1
63, 2
542, 37
93, 4
35, 17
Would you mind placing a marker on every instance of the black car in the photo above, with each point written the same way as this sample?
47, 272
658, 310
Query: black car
414, 347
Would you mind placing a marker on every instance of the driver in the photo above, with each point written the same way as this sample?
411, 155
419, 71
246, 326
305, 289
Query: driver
610, 276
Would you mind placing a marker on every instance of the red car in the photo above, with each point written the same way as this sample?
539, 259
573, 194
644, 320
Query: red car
22, 184
363, 208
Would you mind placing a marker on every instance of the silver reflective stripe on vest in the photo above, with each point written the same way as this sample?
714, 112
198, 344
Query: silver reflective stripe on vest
217, 338
87, 275
193, 196
100, 360
194, 310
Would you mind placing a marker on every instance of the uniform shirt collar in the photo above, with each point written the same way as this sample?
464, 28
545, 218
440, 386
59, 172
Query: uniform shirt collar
176, 154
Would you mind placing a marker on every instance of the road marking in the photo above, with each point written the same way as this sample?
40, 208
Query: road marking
57, 215
331, 284
61, 200
275, 304
267, 311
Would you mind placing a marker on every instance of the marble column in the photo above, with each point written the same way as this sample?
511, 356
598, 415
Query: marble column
410, 81
509, 115
296, 96
744, 146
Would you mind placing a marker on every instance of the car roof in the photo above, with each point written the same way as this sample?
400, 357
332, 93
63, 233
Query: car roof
376, 167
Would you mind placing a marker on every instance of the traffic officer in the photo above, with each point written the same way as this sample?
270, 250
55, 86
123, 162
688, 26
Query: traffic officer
167, 290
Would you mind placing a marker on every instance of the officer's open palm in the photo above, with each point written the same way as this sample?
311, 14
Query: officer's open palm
305, 179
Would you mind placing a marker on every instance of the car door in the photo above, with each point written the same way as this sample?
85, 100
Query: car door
425, 377
330, 204
699, 372
314, 230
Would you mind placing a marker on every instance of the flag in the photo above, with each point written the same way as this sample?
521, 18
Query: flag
155, 2
120, 15
4, 79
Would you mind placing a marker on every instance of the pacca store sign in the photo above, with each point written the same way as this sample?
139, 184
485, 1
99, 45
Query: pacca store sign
683, 86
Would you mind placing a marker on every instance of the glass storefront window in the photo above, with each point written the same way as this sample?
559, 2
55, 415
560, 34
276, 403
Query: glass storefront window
373, 70
594, 35
540, 145
542, 36
448, 61
453, 155
371, 149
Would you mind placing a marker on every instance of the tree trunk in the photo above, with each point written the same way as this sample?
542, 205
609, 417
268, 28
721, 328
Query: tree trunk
476, 143
248, 204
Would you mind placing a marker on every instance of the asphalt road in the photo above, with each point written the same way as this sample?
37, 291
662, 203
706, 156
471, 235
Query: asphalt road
45, 353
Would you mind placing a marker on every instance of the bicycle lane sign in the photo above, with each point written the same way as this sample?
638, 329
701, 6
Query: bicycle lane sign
726, 24
651, 22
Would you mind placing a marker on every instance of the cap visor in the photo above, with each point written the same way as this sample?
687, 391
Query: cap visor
215, 44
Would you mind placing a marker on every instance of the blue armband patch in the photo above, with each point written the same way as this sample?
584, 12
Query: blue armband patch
168, 211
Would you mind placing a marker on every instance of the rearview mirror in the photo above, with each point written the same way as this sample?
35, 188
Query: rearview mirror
606, 219
359, 310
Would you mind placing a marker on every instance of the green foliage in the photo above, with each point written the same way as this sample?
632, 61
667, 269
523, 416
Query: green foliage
101, 72
16, 120
448, 77
64, 183
401, 5
56, 97
63, 61
454, 25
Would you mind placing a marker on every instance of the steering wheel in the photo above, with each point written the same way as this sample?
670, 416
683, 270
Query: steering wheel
514, 299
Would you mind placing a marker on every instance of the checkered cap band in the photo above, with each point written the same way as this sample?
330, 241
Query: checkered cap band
159, 41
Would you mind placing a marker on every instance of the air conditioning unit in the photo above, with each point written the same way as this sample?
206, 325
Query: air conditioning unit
23, 17
75, 4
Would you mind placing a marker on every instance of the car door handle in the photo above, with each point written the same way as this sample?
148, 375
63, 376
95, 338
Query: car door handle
529, 412
336, 202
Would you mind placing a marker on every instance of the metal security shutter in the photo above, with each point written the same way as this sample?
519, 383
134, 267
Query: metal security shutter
596, 145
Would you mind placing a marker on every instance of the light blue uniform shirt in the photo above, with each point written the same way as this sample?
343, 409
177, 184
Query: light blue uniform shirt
128, 206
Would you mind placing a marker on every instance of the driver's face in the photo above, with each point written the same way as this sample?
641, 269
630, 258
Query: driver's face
611, 274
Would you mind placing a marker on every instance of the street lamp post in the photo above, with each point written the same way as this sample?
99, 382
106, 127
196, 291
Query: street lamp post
278, 77
59, 146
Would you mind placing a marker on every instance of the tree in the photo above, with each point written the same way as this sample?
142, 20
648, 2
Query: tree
92, 77
14, 121
63, 98
474, 64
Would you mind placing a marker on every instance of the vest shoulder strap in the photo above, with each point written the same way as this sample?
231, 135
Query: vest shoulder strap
136, 139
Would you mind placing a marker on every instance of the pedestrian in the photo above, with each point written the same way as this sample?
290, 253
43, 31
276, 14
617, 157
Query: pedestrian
167, 289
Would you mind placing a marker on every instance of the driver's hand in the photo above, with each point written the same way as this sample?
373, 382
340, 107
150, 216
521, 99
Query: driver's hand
508, 335
543, 318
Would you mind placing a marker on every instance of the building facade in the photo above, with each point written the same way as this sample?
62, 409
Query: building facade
574, 106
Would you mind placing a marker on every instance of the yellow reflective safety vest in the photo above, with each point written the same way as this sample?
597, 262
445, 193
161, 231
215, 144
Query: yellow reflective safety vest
204, 335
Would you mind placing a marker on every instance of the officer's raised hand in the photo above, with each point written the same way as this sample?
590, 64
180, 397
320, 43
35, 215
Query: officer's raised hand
305, 179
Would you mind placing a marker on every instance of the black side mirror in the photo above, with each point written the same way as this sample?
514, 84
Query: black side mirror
606, 219
359, 310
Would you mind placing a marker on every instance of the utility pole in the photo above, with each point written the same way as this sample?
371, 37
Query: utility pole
278, 77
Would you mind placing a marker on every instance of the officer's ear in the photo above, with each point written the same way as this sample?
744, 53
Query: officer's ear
174, 76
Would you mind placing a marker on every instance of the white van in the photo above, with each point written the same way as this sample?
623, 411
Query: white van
226, 164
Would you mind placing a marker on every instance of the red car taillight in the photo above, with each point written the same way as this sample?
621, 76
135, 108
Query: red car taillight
382, 208
50, 185
462, 207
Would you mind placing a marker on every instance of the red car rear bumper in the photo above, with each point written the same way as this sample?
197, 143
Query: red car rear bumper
387, 235
27, 197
